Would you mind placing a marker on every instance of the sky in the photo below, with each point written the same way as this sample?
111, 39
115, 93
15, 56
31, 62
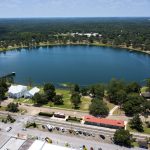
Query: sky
74, 8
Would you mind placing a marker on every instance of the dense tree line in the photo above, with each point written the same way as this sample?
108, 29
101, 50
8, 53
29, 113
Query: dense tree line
3, 89
128, 32
127, 96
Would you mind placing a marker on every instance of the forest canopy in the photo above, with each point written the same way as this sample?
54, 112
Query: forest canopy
127, 32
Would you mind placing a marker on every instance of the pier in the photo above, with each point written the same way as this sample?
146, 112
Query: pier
8, 75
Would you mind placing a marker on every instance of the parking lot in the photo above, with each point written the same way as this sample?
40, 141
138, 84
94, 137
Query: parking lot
77, 133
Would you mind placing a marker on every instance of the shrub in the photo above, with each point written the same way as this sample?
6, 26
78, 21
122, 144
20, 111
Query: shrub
12, 107
31, 124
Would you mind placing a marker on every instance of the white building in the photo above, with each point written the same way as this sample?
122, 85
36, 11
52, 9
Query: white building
17, 91
32, 92
42, 145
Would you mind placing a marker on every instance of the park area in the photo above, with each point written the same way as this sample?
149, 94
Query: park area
84, 105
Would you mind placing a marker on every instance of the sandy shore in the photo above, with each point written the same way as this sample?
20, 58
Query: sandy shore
93, 44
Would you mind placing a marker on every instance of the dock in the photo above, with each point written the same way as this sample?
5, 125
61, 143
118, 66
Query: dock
8, 75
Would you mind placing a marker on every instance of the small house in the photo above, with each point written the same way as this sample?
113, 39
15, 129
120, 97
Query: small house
17, 91
32, 92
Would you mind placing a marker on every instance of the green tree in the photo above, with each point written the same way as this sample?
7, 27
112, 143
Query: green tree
121, 96
10, 118
146, 108
40, 99
76, 88
3, 89
75, 99
113, 87
49, 90
148, 84
12, 107
48, 86
134, 104
58, 100
4, 84
123, 138
98, 108
133, 87
2, 93
97, 90
136, 123
84, 91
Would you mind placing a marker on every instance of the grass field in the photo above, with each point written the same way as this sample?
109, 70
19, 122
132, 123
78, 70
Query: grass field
85, 101
84, 106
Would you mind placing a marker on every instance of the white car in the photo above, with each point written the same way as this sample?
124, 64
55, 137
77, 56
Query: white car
8, 129
50, 128
24, 129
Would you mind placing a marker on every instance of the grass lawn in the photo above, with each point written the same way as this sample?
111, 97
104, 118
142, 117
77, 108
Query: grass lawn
23, 100
135, 144
110, 105
144, 89
119, 112
146, 130
84, 106
85, 101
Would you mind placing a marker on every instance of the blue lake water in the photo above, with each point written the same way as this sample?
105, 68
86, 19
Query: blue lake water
76, 64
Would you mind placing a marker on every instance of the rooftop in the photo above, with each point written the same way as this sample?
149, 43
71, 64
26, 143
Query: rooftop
104, 121
16, 88
42, 145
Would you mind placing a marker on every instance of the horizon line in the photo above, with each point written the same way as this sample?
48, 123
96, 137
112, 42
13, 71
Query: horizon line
75, 17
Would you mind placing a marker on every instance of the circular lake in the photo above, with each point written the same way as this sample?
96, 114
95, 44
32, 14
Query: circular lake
75, 64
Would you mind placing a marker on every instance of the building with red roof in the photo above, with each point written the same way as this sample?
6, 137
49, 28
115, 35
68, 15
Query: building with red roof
103, 122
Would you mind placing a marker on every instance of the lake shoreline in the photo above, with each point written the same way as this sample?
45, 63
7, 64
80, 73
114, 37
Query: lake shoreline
76, 44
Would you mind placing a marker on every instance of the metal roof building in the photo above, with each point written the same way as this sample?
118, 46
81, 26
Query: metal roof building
42, 145
32, 92
103, 122
17, 91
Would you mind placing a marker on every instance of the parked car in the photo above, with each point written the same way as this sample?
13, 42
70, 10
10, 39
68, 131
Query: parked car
57, 128
80, 132
49, 127
102, 136
84, 133
8, 129
48, 140
62, 129
24, 129
43, 126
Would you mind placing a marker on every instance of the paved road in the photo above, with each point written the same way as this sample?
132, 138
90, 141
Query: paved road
22, 119
112, 110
